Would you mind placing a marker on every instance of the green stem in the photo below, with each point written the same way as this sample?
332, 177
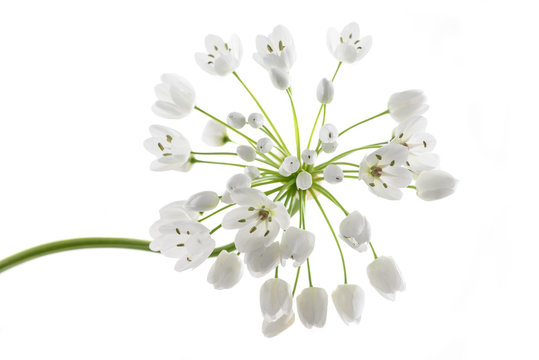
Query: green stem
214, 153
296, 126
322, 190
314, 126
362, 122
216, 212
373, 252
346, 153
336, 71
251, 141
218, 163
296, 282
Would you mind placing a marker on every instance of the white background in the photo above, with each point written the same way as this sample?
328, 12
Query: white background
76, 86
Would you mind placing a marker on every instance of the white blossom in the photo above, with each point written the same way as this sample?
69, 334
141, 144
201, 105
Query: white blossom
312, 306
256, 120
328, 133
171, 148
325, 91
289, 166
221, 58
264, 145
226, 271
349, 301
384, 275
236, 120
405, 104
238, 181
214, 134
246, 152
382, 171
279, 78
252, 172
309, 156
275, 299
329, 147
296, 244
348, 46
175, 97
355, 230
276, 50
263, 259
273, 328
435, 184
202, 201
304, 180
169, 213
333, 174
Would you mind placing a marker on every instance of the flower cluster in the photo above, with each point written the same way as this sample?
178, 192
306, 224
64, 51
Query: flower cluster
276, 183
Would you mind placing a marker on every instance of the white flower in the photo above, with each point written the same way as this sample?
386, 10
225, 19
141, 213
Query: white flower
325, 91
309, 156
279, 78
385, 277
328, 133
355, 230
333, 174
214, 134
296, 244
329, 147
276, 50
222, 58
289, 166
405, 104
252, 172
169, 213
238, 181
246, 152
236, 120
186, 240
226, 271
262, 260
435, 184
258, 219
349, 300
382, 170
348, 46
273, 328
203, 201
411, 133
172, 150
312, 305
304, 180
256, 120
275, 299
264, 145
176, 97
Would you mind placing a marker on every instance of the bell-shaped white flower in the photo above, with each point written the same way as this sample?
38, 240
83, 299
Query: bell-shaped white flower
238, 181
258, 219
384, 275
355, 230
411, 133
328, 133
279, 78
276, 50
256, 120
348, 46
262, 260
325, 91
304, 180
296, 244
329, 147
333, 174
175, 97
214, 134
264, 145
273, 328
275, 299
405, 104
246, 152
349, 301
171, 148
252, 172
312, 305
382, 170
435, 184
289, 166
236, 120
169, 213
226, 271
309, 156
221, 58
203, 201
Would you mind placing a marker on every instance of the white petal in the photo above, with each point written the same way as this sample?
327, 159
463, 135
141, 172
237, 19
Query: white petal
226, 271
262, 260
238, 218
349, 301
312, 305
384, 275
273, 328
275, 299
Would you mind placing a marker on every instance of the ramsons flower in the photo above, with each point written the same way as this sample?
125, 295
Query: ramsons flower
171, 148
312, 305
435, 184
349, 300
236, 182
226, 271
296, 244
385, 277
275, 299
221, 58
355, 231
202, 201
214, 134
176, 97
347, 46
263, 259
169, 213
405, 104
325, 91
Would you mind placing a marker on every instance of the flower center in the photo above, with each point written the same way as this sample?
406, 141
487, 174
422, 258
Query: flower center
263, 214
376, 172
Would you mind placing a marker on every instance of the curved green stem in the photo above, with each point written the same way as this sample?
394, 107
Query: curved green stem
296, 282
214, 153
346, 153
296, 126
364, 121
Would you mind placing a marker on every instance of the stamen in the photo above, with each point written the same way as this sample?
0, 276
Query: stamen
251, 208
189, 260
178, 231
253, 229
281, 46
379, 157
401, 135
385, 185
392, 163
216, 48
342, 40
161, 147
350, 36
355, 42
167, 154
424, 143
266, 233
241, 220
211, 55
408, 163
226, 46
169, 138
210, 62
270, 49
180, 245
371, 184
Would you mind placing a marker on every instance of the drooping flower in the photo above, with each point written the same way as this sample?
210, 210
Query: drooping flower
236, 182
214, 134
304, 180
435, 184
405, 104
226, 271
384, 275
202, 201
176, 97
221, 58
171, 148
347, 46
325, 91
273, 328
328, 133
355, 230
333, 174
312, 306
258, 219
262, 260
279, 78
382, 171
296, 244
349, 300
275, 299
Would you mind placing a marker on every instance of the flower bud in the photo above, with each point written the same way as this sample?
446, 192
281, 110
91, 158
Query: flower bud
252, 172
312, 305
203, 201
238, 181
256, 120
296, 244
349, 300
236, 120
226, 271
279, 78
329, 147
325, 91
262, 260
246, 152
435, 184
309, 156
264, 145
214, 134
333, 174
275, 299
355, 230
328, 133
385, 277
304, 180
405, 104
290, 165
